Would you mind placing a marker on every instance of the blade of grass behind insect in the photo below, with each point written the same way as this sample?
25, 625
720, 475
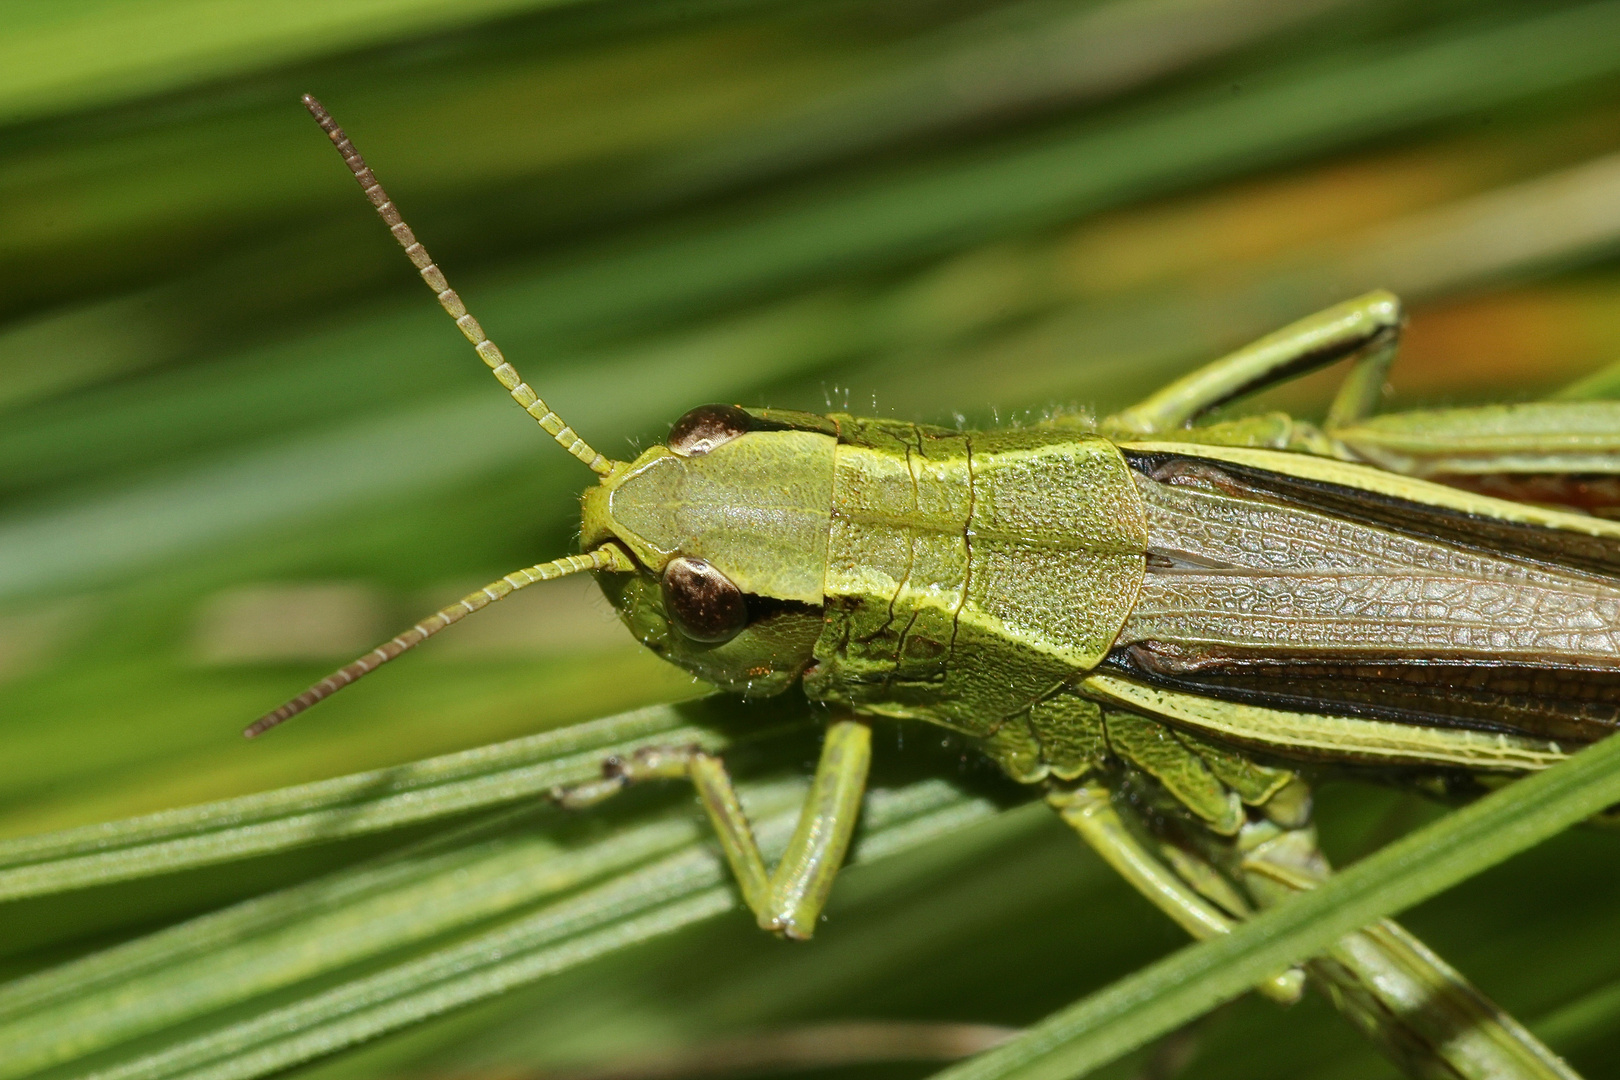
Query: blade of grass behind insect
939, 206
1587, 1019
1601, 385
1137, 340
358, 804
69, 55
1181, 139
1012, 57
304, 935
1168, 994
329, 258
663, 877
897, 215
986, 59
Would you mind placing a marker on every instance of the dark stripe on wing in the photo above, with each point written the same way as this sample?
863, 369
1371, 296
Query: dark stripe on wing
1590, 493
1570, 706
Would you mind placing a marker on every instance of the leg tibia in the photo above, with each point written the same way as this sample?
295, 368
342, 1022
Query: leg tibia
1089, 810
802, 880
789, 899
731, 827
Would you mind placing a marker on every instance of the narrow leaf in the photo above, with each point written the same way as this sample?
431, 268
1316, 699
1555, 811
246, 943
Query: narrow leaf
1162, 997
352, 805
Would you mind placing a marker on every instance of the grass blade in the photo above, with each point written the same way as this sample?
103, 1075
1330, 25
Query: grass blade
1184, 986
352, 805
640, 882
114, 53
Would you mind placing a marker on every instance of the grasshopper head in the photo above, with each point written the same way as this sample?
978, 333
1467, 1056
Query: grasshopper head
726, 524
712, 547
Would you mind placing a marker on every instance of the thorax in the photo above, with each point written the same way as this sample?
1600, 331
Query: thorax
971, 574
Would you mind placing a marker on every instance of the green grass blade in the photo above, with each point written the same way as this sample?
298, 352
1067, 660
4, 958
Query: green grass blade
641, 881
992, 66
944, 205
1584, 1020
351, 805
1184, 986
71, 55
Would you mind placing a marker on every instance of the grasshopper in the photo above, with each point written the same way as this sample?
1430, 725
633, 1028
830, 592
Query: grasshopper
1166, 624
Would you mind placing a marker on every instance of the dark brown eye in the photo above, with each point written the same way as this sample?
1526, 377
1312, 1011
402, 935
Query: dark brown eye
702, 602
706, 427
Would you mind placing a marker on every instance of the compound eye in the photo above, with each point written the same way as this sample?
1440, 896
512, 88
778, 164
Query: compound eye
702, 602
706, 427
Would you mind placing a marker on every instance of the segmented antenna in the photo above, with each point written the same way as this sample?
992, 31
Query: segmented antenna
603, 558
486, 349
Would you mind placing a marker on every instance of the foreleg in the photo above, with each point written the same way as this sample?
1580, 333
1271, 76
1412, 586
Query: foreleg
787, 900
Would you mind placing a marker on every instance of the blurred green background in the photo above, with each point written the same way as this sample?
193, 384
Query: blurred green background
239, 442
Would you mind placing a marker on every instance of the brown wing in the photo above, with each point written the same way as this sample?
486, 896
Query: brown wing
1307, 596
1551, 547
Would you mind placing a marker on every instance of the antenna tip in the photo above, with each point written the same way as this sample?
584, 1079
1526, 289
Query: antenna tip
324, 119
313, 106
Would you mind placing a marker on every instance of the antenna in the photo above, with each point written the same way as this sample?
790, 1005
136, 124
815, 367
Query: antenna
486, 349
607, 557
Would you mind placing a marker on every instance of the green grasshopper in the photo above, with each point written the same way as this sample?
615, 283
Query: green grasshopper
1162, 623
